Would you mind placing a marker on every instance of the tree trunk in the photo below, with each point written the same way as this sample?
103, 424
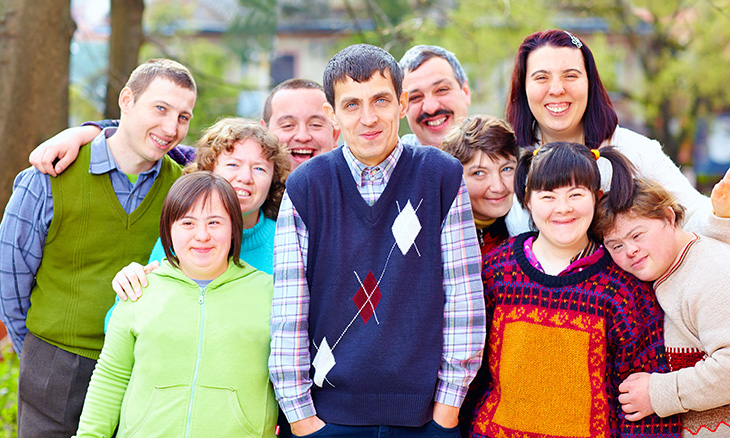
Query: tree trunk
124, 44
35, 37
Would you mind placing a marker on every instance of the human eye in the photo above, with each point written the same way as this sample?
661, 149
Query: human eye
415, 98
160, 108
260, 169
616, 247
184, 118
637, 236
316, 125
186, 223
478, 173
351, 105
508, 169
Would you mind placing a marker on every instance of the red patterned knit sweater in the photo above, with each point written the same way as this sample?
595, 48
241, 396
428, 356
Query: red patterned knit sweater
558, 348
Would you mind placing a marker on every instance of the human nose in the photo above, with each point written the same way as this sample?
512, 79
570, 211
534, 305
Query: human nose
496, 184
430, 104
302, 134
169, 124
556, 86
201, 233
368, 116
244, 174
631, 249
563, 205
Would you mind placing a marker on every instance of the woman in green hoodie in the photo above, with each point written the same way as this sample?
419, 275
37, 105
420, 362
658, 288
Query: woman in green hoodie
189, 358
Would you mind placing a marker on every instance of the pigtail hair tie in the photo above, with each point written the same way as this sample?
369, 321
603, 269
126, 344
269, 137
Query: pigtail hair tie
596, 153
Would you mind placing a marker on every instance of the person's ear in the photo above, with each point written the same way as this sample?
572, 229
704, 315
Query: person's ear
467, 92
126, 99
671, 216
263, 123
403, 101
329, 111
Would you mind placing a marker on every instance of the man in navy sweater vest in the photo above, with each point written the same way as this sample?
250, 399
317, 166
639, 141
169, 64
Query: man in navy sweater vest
378, 317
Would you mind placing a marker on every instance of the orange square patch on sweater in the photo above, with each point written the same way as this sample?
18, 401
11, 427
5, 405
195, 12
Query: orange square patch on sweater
549, 374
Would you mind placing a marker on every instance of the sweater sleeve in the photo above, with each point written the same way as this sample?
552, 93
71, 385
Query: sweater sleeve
707, 384
109, 381
636, 345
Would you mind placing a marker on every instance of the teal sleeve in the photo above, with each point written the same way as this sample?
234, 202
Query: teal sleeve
157, 254
109, 314
110, 379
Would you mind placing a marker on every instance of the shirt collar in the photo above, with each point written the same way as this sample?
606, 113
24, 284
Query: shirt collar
363, 173
102, 160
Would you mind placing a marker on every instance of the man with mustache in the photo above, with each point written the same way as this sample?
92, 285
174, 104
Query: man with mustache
438, 93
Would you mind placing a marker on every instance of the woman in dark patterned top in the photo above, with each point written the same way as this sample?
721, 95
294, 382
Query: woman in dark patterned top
487, 148
567, 324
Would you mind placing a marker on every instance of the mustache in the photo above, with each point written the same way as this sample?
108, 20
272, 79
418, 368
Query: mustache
442, 112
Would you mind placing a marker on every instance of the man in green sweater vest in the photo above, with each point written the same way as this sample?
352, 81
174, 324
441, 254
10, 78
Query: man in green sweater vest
64, 238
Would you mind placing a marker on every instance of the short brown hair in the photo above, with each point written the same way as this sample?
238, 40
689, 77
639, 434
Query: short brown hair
289, 84
488, 134
144, 74
223, 136
187, 191
649, 199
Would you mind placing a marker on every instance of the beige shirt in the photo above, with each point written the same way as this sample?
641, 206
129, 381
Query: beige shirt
695, 296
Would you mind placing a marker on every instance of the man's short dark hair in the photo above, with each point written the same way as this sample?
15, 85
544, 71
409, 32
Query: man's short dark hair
417, 55
360, 62
289, 84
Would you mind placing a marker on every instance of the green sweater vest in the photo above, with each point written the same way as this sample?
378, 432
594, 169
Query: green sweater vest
89, 240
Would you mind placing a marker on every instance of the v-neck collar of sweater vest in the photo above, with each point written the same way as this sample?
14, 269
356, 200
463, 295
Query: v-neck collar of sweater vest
554, 280
385, 201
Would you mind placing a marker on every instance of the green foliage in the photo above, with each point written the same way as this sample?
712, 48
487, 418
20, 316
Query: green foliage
254, 30
209, 61
8, 391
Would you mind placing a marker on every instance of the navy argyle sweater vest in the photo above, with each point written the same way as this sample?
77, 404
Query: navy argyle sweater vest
375, 281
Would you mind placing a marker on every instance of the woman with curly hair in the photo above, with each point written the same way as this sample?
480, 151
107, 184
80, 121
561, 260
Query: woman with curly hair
256, 164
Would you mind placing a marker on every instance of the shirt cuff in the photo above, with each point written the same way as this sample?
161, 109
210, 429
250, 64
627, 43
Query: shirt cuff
298, 408
664, 394
450, 394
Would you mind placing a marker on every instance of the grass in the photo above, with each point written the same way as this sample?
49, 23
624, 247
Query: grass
8, 391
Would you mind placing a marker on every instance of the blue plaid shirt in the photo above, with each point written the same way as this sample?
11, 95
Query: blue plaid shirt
25, 224
464, 319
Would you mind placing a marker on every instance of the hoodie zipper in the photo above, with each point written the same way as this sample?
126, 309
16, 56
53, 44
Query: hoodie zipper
201, 301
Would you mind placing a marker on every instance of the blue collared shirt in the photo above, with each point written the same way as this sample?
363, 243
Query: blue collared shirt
26, 221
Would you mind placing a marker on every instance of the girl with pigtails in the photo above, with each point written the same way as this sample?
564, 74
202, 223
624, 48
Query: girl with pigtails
567, 324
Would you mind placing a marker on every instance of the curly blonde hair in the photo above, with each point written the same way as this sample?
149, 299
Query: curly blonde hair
222, 137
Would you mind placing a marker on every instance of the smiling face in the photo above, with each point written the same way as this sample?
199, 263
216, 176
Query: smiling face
368, 114
563, 216
557, 92
250, 174
642, 246
201, 239
153, 122
298, 119
436, 101
490, 183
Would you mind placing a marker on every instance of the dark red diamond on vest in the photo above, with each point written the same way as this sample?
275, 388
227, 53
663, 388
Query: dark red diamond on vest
367, 297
